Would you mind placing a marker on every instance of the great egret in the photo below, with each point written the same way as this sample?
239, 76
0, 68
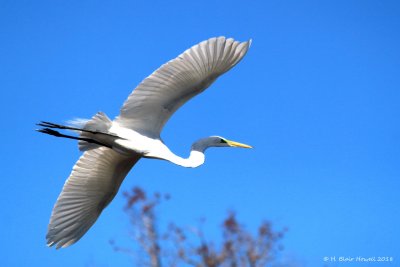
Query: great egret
111, 148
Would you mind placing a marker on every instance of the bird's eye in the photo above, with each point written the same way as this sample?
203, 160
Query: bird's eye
223, 141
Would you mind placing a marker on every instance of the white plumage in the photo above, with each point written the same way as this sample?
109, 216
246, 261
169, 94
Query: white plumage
158, 96
111, 148
93, 183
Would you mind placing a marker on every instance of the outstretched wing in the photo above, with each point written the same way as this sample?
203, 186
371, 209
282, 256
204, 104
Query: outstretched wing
158, 96
93, 183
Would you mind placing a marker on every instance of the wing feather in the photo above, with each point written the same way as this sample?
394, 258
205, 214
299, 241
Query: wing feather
93, 183
158, 96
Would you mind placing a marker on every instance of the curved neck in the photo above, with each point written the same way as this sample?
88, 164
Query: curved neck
195, 159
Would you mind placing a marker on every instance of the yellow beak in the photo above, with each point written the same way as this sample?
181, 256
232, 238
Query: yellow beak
236, 144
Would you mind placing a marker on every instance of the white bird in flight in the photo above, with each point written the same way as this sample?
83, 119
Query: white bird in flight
112, 148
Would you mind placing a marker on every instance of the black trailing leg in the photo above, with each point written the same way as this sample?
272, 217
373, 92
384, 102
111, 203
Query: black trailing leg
47, 125
58, 134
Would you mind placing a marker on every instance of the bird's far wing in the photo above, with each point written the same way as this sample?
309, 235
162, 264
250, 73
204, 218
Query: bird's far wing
93, 183
158, 96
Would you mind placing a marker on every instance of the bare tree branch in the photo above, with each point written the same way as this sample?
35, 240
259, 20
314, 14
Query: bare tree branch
238, 248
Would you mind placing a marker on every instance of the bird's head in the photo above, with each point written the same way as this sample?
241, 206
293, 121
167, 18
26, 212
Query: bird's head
216, 141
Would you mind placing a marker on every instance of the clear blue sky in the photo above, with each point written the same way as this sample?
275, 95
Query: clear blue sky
317, 96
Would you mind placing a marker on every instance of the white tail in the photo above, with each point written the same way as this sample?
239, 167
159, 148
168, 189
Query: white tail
100, 123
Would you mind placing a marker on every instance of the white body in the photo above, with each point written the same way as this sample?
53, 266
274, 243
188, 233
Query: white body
112, 148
